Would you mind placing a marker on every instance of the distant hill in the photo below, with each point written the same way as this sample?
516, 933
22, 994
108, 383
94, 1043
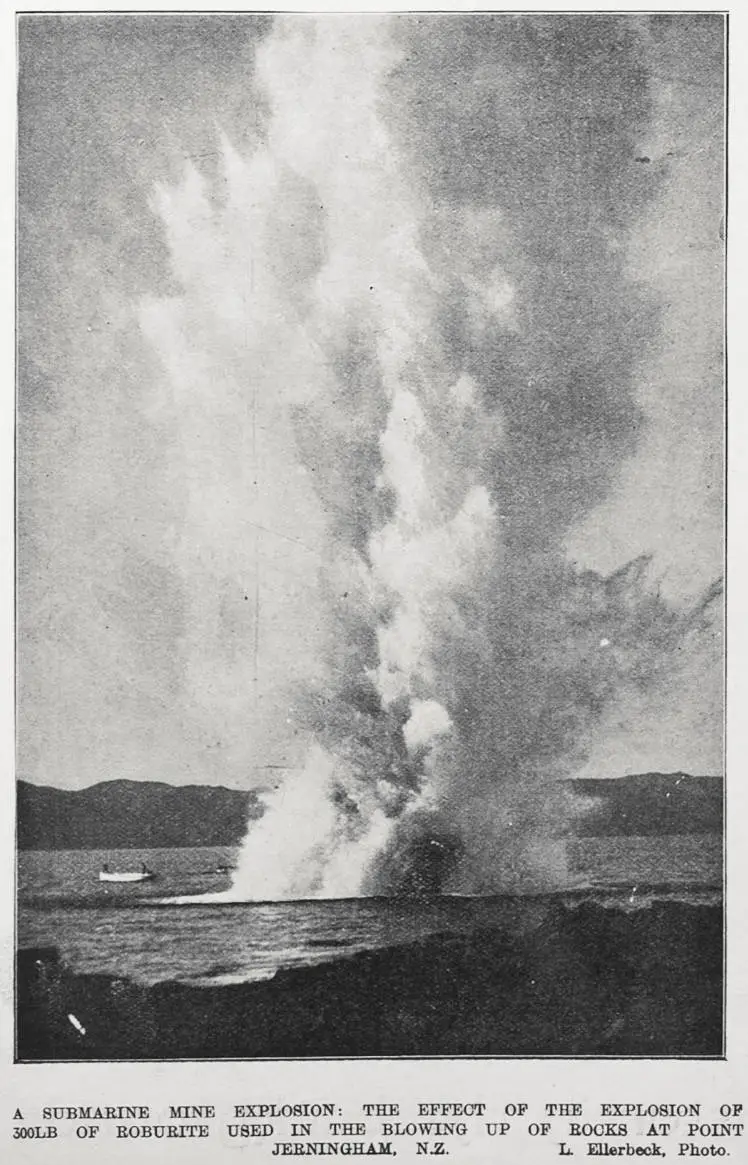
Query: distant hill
132, 815
154, 815
648, 804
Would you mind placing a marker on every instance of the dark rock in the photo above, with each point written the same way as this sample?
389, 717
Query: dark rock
577, 980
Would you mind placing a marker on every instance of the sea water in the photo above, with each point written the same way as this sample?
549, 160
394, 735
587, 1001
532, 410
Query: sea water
127, 930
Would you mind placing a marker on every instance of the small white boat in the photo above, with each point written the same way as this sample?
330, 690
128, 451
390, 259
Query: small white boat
143, 875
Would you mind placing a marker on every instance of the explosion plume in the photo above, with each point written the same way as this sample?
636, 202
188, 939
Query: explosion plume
417, 289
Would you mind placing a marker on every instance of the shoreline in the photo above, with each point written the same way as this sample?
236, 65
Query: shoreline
585, 980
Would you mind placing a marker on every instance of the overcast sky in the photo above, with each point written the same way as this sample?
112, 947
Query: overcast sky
161, 488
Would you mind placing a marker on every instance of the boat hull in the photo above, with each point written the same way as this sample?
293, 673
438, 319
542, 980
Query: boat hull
134, 876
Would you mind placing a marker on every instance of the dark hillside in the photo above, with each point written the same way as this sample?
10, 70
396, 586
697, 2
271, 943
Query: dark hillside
650, 804
132, 815
150, 814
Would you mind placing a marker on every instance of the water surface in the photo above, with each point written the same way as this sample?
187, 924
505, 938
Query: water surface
125, 930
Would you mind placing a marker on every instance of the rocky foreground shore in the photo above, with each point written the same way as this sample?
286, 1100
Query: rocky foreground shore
586, 980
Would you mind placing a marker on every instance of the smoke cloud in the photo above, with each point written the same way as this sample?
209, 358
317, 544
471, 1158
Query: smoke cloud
409, 340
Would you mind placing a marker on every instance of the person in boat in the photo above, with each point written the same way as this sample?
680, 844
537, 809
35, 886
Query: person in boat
143, 868
105, 868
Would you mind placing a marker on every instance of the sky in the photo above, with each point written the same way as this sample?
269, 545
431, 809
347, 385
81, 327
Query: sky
256, 258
